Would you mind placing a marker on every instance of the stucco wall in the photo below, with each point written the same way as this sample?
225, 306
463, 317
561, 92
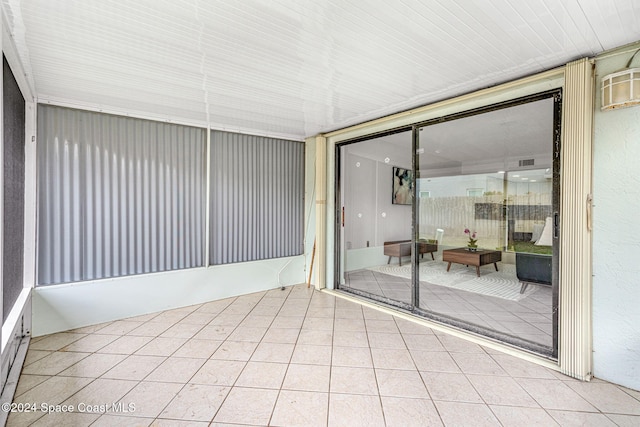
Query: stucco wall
616, 237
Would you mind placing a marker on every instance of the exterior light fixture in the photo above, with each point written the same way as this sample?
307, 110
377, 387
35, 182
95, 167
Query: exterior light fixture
621, 89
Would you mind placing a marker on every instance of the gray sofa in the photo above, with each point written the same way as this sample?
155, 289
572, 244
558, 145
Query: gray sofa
533, 268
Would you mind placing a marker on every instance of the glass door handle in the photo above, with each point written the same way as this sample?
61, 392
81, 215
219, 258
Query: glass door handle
589, 213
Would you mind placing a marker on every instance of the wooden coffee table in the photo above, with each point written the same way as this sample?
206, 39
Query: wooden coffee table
467, 257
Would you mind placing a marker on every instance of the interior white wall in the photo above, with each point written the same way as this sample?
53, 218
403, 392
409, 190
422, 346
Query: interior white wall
616, 294
359, 185
370, 217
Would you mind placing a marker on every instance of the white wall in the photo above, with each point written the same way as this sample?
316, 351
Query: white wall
616, 237
369, 214
63, 307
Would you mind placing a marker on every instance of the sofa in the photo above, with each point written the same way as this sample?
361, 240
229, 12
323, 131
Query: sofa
534, 268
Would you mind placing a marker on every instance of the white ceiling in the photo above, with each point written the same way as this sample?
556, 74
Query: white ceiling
294, 68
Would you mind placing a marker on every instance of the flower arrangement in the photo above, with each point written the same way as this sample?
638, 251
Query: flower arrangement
473, 242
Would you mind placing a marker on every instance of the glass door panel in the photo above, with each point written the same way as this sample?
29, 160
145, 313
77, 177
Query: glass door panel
375, 198
486, 197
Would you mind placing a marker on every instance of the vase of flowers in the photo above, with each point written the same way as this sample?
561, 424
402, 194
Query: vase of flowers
472, 245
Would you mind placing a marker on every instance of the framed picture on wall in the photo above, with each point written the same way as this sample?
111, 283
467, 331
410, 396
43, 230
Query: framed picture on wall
402, 186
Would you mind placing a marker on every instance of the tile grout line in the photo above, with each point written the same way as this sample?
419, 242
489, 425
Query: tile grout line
249, 357
167, 357
133, 353
290, 357
209, 358
333, 335
492, 356
418, 370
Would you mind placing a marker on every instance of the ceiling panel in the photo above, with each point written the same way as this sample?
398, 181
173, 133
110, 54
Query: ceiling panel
296, 68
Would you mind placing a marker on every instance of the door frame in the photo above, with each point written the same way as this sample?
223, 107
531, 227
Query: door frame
575, 346
414, 306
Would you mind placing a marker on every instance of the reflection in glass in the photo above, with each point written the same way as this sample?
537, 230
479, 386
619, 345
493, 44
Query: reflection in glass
376, 196
490, 188
465, 236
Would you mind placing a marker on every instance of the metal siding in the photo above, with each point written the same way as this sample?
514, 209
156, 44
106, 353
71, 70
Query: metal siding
106, 186
256, 198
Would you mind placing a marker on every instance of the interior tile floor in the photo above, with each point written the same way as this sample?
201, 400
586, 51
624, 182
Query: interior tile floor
529, 319
296, 357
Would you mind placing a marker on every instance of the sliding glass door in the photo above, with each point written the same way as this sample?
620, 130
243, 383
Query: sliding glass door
487, 192
375, 199
464, 230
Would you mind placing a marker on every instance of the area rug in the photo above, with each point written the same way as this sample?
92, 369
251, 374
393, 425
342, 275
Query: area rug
500, 284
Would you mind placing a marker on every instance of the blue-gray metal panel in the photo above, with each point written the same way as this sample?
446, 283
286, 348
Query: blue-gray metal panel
117, 196
257, 198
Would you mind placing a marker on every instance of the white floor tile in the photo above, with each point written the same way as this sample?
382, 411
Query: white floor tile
300, 357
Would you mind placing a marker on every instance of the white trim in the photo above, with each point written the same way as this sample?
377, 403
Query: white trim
532, 85
30, 196
330, 213
309, 204
25, 83
207, 208
13, 319
63, 307
3, 373
323, 228
547, 80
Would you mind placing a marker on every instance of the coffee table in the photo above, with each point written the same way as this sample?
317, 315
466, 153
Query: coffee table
467, 257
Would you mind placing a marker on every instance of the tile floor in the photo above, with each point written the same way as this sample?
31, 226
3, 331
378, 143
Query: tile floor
296, 357
528, 319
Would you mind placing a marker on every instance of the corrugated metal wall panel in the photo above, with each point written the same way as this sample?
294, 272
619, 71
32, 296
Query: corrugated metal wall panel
257, 192
117, 196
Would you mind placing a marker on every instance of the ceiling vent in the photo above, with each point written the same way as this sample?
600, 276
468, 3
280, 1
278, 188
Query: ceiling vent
526, 162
